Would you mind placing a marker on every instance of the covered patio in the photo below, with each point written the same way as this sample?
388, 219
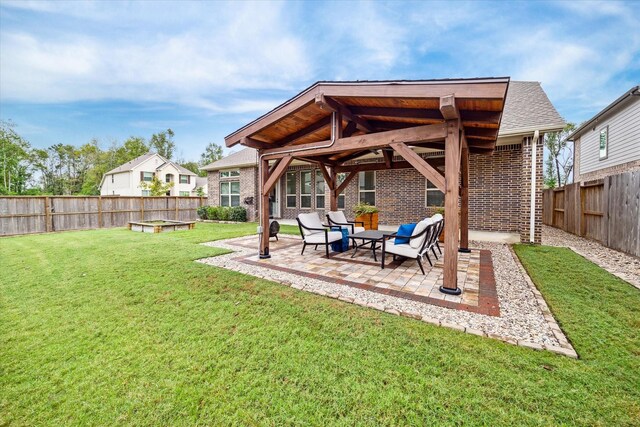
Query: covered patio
333, 125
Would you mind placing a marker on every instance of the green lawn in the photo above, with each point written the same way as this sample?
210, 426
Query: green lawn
112, 327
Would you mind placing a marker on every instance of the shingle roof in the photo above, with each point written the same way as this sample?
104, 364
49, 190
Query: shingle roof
244, 157
133, 163
527, 108
126, 167
201, 181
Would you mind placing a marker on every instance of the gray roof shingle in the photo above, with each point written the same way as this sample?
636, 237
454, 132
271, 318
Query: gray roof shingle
244, 157
528, 108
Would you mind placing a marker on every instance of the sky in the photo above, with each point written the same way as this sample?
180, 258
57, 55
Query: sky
73, 71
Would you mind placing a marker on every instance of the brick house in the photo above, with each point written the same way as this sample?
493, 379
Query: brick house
499, 184
609, 143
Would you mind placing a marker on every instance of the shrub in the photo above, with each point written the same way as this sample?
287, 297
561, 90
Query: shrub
238, 214
212, 212
223, 213
202, 212
364, 208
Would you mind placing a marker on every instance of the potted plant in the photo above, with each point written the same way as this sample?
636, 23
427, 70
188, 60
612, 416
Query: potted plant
367, 214
441, 212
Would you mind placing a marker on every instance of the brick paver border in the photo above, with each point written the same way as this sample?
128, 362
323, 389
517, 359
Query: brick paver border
488, 303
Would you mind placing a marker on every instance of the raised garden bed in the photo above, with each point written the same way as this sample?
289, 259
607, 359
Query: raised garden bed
159, 226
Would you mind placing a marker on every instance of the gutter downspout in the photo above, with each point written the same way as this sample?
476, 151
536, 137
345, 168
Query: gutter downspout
532, 214
334, 133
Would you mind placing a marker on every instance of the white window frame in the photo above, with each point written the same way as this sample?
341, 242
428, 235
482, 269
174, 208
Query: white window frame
367, 191
286, 190
310, 193
185, 176
318, 192
230, 194
146, 193
232, 173
427, 190
144, 176
603, 131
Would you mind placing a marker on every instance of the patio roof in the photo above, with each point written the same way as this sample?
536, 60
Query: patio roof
331, 123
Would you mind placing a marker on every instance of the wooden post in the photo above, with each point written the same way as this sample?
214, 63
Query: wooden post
264, 210
47, 213
451, 224
176, 207
333, 194
141, 208
464, 200
99, 211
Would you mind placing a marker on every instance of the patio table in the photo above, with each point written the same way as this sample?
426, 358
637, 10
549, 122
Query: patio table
368, 237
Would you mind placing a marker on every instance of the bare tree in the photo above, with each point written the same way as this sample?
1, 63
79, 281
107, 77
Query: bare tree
560, 153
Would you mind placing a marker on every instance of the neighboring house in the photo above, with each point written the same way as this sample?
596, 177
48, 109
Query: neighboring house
125, 180
609, 143
500, 183
201, 182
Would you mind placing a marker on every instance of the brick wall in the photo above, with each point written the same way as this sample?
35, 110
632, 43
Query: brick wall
248, 190
525, 195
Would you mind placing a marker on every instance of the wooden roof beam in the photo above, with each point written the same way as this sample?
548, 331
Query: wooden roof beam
407, 113
435, 162
448, 107
258, 145
331, 104
418, 134
420, 164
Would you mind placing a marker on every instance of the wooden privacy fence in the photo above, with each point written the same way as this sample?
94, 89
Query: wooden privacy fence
606, 210
40, 214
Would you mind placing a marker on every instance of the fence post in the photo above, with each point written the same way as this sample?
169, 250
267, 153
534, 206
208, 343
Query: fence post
141, 208
177, 213
47, 214
99, 211
583, 219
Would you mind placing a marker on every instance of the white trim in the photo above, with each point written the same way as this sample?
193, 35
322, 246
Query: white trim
286, 189
310, 194
374, 191
532, 213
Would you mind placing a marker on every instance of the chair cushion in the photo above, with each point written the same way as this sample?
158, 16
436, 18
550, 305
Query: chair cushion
436, 217
420, 227
337, 216
402, 249
318, 238
310, 220
404, 230
358, 229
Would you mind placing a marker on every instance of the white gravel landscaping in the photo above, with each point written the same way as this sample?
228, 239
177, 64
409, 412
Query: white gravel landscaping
524, 317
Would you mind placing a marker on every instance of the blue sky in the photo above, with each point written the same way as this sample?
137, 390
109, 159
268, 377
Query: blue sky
74, 71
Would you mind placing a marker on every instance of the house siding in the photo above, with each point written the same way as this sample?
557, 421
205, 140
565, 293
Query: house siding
623, 149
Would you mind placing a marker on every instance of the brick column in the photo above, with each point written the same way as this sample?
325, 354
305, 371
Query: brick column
525, 195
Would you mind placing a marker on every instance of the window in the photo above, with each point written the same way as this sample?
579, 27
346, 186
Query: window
341, 177
112, 178
305, 189
604, 143
367, 187
319, 190
291, 189
146, 192
168, 177
434, 196
230, 193
184, 193
185, 179
229, 174
146, 176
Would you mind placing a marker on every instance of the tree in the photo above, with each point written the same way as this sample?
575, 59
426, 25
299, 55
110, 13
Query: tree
560, 153
193, 167
163, 143
156, 187
15, 160
212, 152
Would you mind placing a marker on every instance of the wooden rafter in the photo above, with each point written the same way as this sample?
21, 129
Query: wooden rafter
354, 172
376, 166
327, 177
448, 107
388, 158
407, 113
258, 145
333, 105
304, 132
349, 129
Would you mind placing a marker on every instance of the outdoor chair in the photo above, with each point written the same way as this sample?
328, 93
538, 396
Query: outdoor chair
420, 242
315, 233
438, 218
337, 218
